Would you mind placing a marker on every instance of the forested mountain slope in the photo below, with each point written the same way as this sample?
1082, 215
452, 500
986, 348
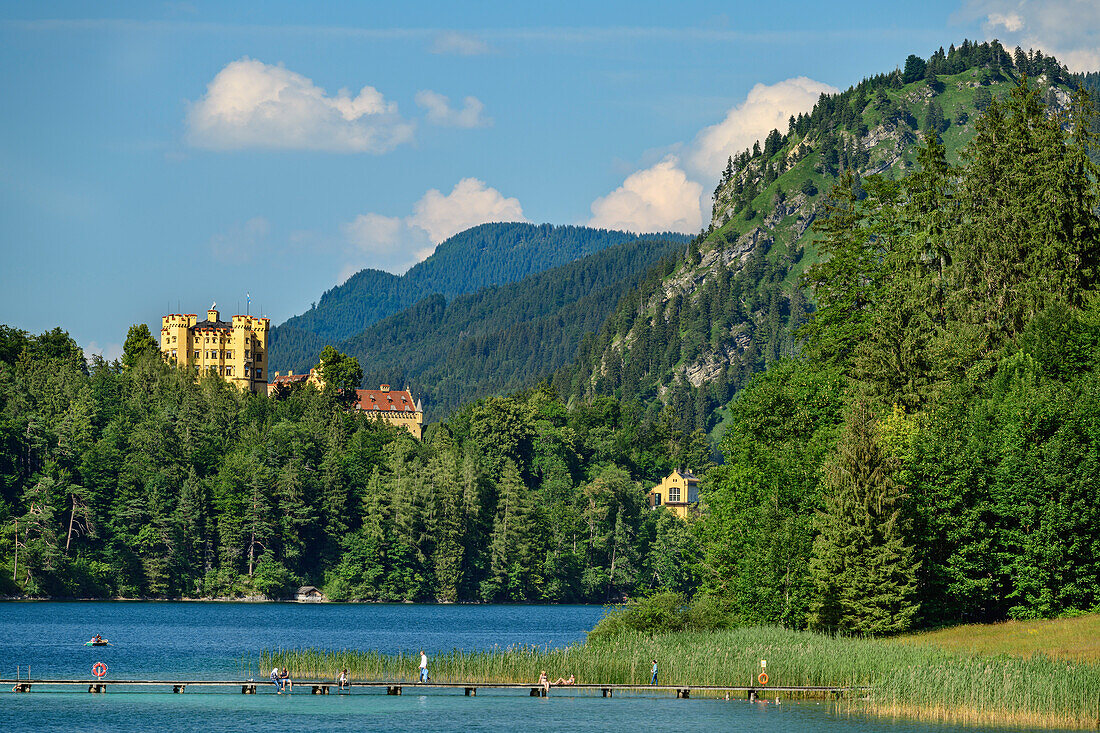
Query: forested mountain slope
488, 254
690, 337
503, 337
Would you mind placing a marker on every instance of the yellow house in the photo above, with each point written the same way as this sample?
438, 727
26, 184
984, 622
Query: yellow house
392, 406
236, 350
679, 493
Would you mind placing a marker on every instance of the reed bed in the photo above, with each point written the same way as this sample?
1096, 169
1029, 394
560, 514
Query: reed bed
926, 682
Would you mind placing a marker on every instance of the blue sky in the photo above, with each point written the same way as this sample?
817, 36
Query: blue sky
155, 157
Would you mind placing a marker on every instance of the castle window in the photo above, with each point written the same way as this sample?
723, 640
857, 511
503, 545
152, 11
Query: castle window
246, 371
259, 373
229, 371
248, 353
674, 493
656, 499
196, 355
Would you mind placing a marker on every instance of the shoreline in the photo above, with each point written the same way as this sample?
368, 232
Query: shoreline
925, 683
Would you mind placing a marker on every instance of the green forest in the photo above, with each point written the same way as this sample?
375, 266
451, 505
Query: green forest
137, 479
501, 338
482, 256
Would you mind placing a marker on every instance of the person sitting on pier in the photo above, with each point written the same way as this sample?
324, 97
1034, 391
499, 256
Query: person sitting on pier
544, 682
563, 681
342, 680
276, 681
288, 684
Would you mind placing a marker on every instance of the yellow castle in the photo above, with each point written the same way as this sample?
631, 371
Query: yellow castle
236, 350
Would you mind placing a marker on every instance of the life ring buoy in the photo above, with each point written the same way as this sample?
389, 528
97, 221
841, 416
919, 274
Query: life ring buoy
762, 678
99, 669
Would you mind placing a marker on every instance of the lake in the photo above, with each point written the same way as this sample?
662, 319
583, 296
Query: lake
208, 641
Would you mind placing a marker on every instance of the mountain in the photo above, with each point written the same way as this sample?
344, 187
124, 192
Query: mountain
489, 254
730, 306
503, 337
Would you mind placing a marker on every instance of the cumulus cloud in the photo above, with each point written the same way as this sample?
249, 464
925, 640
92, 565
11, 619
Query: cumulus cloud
395, 243
1066, 29
241, 242
668, 196
459, 44
440, 111
1012, 22
468, 204
766, 108
250, 104
657, 199
109, 352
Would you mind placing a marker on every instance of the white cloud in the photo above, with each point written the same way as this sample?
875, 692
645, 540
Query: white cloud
110, 352
395, 244
657, 199
241, 242
459, 44
1066, 29
1012, 22
668, 196
766, 108
250, 104
468, 204
441, 113
384, 242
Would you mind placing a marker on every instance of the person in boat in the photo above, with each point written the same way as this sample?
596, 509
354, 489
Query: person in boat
288, 684
563, 681
343, 679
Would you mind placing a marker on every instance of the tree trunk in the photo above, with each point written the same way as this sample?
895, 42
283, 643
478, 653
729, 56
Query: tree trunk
72, 518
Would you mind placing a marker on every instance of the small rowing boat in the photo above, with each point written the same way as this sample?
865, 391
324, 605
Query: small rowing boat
96, 642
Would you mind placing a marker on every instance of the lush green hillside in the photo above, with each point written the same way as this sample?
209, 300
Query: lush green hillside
489, 254
691, 337
501, 338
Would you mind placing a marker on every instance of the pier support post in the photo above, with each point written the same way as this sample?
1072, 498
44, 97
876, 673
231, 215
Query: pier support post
393, 690
320, 689
97, 687
471, 692
683, 694
178, 688
248, 689
607, 692
21, 687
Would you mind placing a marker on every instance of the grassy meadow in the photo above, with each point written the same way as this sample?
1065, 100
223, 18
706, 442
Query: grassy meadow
919, 676
1074, 639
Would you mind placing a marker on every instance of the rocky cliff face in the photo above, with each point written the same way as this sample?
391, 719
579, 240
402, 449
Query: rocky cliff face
765, 207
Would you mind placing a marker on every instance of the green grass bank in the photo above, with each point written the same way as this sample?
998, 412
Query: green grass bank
924, 681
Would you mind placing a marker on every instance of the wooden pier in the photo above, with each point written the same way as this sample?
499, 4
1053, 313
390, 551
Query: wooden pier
324, 687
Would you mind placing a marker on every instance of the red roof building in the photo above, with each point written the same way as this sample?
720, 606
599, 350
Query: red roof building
397, 407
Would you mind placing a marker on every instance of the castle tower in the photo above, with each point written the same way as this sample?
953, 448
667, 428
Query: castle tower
235, 350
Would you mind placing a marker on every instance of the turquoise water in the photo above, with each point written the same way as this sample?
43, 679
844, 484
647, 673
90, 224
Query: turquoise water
207, 640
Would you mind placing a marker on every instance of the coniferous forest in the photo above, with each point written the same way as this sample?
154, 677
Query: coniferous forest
136, 479
922, 448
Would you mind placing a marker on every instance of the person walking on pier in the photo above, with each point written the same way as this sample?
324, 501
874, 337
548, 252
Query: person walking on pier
653, 680
424, 667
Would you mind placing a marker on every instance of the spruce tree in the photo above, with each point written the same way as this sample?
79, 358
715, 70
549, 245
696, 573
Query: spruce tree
863, 569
